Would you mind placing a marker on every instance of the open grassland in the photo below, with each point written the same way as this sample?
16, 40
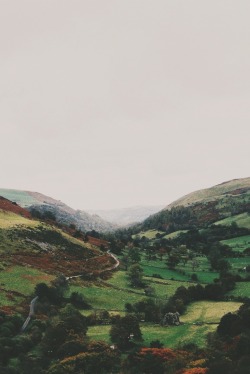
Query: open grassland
242, 220
163, 288
173, 336
239, 263
109, 298
9, 220
150, 234
203, 311
116, 292
22, 279
181, 272
238, 244
208, 311
175, 234
242, 289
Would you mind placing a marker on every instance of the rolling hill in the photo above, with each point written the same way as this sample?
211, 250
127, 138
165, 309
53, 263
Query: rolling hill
62, 212
224, 203
231, 188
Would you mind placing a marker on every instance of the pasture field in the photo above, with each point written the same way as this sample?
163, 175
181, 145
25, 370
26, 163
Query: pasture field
242, 289
163, 288
242, 220
238, 244
181, 272
209, 311
116, 292
165, 273
22, 279
166, 288
150, 234
172, 336
239, 263
175, 234
109, 298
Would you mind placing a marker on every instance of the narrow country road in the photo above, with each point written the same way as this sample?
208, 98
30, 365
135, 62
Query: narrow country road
33, 301
31, 313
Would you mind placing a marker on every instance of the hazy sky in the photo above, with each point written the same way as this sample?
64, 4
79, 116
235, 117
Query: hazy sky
115, 103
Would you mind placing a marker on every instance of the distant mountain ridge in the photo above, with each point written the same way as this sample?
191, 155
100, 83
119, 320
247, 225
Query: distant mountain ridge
63, 213
127, 216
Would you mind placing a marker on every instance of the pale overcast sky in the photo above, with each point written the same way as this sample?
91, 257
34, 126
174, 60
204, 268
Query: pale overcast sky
115, 103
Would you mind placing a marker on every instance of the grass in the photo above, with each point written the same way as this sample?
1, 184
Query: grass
242, 220
208, 311
205, 311
150, 234
175, 234
22, 279
181, 273
163, 288
107, 298
174, 336
239, 263
238, 244
242, 289
9, 220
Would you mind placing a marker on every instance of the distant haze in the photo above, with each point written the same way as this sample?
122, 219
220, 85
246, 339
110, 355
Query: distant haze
109, 104
127, 216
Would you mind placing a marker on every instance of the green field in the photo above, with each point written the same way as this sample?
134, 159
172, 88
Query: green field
239, 263
181, 273
22, 279
150, 234
203, 311
242, 220
238, 244
116, 292
242, 289
175, 234
109, 298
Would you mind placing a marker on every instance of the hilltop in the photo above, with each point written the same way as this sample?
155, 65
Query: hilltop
230, 188
41, 204
229, 200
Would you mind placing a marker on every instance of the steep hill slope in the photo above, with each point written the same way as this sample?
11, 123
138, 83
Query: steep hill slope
28, 242
63, 213
231, 188
32, 251
204, 207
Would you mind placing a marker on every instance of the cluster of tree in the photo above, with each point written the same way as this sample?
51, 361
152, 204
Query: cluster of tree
229, 348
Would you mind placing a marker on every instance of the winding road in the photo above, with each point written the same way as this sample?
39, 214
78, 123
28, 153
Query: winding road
33, 301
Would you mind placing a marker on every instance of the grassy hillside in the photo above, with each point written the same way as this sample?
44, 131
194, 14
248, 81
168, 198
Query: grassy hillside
233, 187
242, 220
42, 204
33, 251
